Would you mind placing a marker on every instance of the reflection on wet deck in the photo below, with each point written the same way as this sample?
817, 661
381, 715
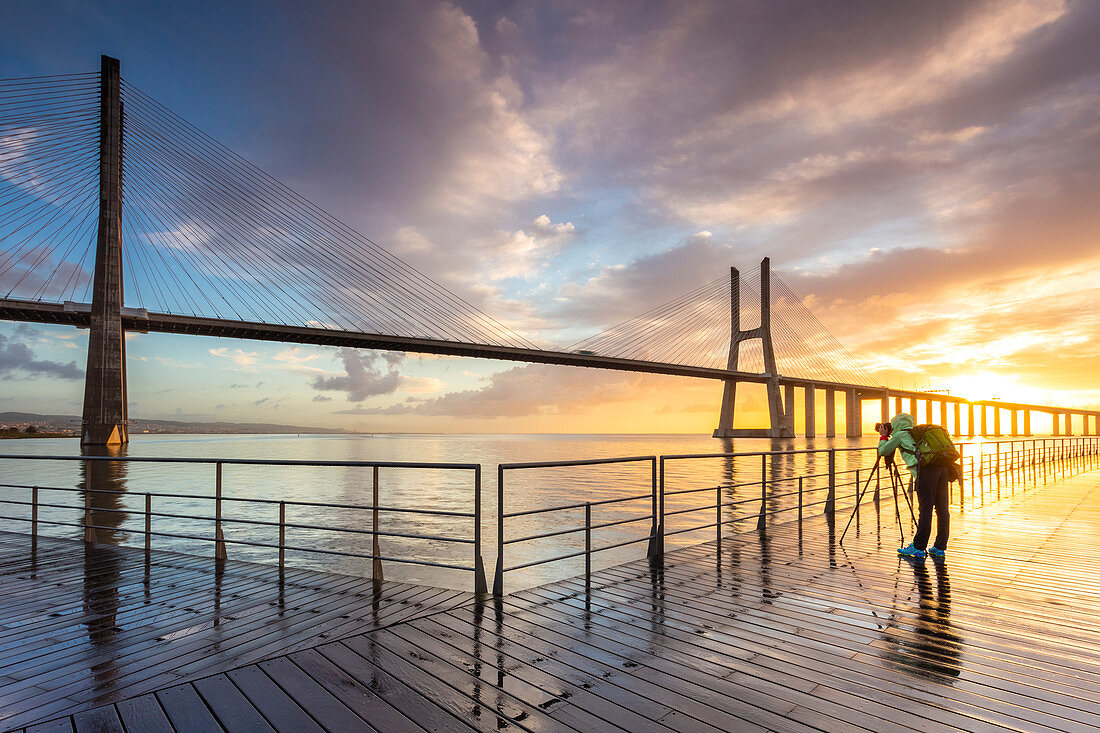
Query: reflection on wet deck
82, 624
781, 631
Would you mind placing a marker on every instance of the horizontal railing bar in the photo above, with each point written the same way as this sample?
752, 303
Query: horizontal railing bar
576, 554
288, 502
582, 505
564, 464
253, 462
260, 522
544, 535
245, 542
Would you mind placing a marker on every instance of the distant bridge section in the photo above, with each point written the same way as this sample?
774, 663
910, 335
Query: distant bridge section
137, 320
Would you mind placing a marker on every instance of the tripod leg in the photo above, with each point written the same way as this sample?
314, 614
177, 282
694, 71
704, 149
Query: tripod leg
908, 499
897, 507
859, 498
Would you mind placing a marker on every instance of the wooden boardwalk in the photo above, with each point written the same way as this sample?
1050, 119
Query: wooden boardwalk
782, 631
86, 624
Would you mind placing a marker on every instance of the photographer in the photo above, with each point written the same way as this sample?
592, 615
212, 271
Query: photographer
932, 491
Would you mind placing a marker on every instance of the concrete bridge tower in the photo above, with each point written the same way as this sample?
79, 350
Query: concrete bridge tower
782, 420
105, 419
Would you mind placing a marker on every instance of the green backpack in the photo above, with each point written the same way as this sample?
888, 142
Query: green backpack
934, 446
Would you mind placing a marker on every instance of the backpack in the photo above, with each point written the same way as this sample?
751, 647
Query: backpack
934, 446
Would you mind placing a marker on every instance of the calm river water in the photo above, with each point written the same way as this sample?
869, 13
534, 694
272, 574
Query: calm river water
451, 491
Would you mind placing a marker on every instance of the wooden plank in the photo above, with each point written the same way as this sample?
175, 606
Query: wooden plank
325, 708
143, 714
232, 709
101, 720
285, 715
395, 690
62, 725
186, 710
360, 699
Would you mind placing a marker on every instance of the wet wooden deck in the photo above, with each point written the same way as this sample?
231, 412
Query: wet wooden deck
86, 624
782, 631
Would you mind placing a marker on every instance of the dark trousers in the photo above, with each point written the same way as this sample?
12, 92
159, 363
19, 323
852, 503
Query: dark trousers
932, 494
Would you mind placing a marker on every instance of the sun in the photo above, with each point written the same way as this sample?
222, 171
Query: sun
987, 385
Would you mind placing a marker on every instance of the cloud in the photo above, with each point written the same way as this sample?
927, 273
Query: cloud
246, 359
367, 374
16, 357
536, 389
421, 385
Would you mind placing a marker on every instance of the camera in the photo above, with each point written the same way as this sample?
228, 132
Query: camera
884, 428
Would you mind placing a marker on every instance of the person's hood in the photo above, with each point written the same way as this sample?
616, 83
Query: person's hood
902, 421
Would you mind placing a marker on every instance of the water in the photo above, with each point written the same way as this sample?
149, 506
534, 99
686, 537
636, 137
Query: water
451, 491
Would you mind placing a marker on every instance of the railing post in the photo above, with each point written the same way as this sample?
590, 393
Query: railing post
376, 547
800, 499
498, 576
718, 515
480, 587
657, 529
587, 540
830, 501
282, 533
148, 521
219, 539
34, 511
962, 474
761, 522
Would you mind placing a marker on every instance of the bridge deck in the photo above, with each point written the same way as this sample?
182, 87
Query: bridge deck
784, 632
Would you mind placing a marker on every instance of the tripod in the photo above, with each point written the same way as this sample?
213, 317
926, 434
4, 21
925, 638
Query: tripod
896, 483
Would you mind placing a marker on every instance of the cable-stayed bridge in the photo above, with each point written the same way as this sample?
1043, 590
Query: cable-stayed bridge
118, 215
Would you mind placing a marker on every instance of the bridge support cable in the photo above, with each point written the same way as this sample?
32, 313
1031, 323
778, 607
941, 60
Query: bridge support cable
49, 134
245, 247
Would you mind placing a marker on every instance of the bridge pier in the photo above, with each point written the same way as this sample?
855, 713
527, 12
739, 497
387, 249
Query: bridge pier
943, 414
928, 411
1056, 423
996, 421
1027, 422
1015, 428
913, 407
781, 418
809, 416
897, 405
830, 413
852, 414
958, 421
984, 432
1069, 424
788, 408
970, 419
105, 410
884, 412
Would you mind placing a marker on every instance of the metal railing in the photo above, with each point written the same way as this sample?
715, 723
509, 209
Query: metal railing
218, 519
652, 538
985, 465
988, 468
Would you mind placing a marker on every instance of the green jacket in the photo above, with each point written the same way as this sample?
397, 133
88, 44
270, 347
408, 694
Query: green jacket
900, 437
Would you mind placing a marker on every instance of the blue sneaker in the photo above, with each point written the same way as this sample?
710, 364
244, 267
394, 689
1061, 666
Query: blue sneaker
911, 551
937, 553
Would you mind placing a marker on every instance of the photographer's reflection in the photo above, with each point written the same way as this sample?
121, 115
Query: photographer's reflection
929, 647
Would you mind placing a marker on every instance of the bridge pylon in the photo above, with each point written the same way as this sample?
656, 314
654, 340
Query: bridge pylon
781, 418
105, 416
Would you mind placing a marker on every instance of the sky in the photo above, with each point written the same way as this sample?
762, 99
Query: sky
924, 175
